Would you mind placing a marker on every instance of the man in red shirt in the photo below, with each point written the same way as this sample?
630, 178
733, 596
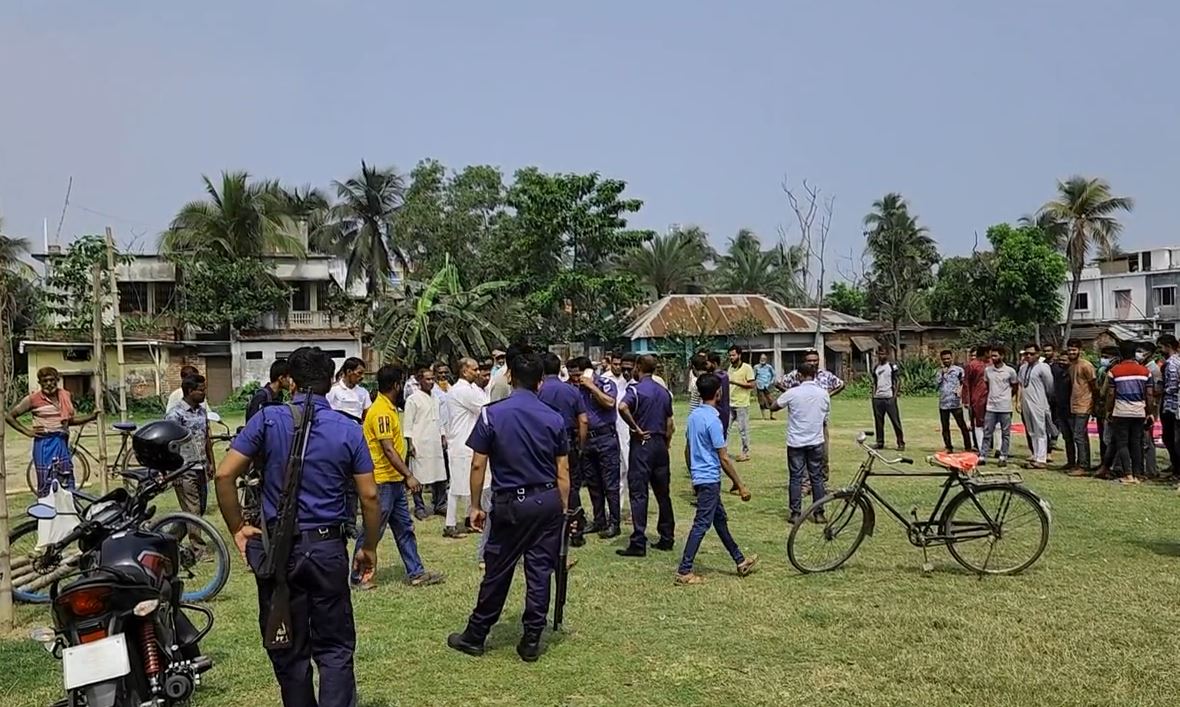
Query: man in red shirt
1131, 409
975, 391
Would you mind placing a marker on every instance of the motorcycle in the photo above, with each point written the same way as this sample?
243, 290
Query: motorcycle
120, 628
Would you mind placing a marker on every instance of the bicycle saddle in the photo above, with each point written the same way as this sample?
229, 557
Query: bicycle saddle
138, 475
125, 426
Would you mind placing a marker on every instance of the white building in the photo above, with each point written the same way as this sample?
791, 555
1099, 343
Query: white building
1137, 290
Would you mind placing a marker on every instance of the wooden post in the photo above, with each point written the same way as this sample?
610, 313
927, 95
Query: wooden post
99, 380
6, 617
118, 326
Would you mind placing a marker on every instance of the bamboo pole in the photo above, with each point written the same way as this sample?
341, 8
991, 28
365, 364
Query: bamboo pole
6, 614
118, 326
99, 381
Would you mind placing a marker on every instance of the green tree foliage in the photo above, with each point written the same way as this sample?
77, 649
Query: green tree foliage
20, 299
847, 299
671, 263
217, 291
964, 288
360, 227
904, 256
1083, 215
746, 268
69, 282
1028, 275
242, 219
438, 317
557, 248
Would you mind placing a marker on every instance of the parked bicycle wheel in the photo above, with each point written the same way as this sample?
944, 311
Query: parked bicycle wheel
822, 546
31, 577
204, 558
1000, 530
81, 473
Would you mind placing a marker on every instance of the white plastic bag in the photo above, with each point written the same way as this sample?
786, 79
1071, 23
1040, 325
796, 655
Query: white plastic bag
62, 524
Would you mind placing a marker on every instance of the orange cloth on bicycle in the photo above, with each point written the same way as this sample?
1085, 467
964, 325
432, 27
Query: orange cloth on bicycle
960, 461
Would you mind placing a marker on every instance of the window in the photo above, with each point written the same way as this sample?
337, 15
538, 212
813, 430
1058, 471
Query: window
300, 297
1163, 296
133, 297
337, 353
323, 293
76, 354
1122, 301
1081, 303
165, 293
1145, 260
253, 355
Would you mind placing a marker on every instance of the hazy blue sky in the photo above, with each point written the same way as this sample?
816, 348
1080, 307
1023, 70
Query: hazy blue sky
971, 110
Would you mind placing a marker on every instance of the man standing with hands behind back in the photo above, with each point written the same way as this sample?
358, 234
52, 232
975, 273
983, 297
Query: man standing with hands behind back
647, 410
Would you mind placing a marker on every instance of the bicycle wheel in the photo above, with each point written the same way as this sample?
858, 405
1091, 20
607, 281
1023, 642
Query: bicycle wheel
1000, 530
204, 558
32, 577
820, 547
81, 473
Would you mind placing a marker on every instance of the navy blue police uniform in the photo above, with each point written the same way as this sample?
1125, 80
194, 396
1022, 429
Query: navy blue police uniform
599, 460
318, 569
522, 438
568, 403
651, 406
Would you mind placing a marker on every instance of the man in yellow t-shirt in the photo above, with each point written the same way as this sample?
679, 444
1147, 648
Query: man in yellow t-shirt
741, 387
387, 446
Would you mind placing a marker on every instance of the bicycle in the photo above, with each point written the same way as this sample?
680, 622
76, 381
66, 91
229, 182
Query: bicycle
81, 456
990, 515
249, 485
33, 574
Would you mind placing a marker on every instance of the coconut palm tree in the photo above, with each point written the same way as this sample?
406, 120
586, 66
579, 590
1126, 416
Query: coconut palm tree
747, 269
242, 219
360, 226
1084, 213
904, 256
307, 206
671, 263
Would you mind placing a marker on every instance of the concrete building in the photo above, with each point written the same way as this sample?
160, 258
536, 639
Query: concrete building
1136, 290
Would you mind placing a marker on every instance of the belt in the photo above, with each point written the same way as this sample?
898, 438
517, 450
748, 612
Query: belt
600, 431
522, 492
315, 535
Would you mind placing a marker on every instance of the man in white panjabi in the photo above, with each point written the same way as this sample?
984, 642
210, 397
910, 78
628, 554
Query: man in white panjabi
621, 368
465, 401
424, 445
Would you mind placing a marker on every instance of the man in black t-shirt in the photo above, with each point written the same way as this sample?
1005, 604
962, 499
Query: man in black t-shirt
272, 392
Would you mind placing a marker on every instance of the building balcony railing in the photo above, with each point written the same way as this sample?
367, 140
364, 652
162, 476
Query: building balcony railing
297, 320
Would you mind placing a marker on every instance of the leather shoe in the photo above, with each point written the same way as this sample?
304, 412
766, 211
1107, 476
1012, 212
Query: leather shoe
465, 644
611, 531
664, 545
529, 648
577, 541
631, 551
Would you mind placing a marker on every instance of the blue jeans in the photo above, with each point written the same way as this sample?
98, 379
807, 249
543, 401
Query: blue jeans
395, 513
710, 513
990, 420
810, 461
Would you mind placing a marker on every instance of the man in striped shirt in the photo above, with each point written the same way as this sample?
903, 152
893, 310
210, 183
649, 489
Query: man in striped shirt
1129, 406
1171, 400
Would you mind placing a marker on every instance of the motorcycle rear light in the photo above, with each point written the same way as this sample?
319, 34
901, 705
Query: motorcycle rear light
144, 608
92, 635
88, 601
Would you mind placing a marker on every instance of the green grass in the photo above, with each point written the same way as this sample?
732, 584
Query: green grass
1093, 622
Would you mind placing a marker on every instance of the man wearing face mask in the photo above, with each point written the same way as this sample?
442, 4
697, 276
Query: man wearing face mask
1144, 354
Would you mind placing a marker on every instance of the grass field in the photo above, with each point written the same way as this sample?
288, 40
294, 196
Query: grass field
1093, 622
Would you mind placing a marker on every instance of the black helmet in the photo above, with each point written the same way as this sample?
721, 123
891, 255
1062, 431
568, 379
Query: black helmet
157, 445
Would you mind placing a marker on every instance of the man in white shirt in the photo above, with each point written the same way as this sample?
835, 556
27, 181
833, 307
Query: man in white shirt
1002, 386
348, 395
424, 445
622, 366
807, 406
465, 400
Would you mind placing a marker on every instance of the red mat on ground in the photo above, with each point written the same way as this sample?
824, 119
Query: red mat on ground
1092, 428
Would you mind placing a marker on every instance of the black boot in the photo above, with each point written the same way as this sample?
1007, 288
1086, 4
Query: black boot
529, 648
632, 551
464, 643
577, 541
611, 531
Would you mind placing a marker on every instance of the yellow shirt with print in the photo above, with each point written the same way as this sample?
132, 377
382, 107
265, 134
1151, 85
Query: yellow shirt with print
739, 397
383, 423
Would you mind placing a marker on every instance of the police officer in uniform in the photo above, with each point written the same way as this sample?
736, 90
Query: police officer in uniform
528, 446
647, 410
568, 402
336, 459
599, 457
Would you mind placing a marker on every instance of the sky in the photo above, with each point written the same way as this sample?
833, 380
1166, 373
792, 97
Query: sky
971, 110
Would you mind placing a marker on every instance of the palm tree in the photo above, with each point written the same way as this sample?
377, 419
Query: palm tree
308, 207
12, 271
747, 269
439, 317
243, 219
360, 226
904, 256
672, 263
1084, 213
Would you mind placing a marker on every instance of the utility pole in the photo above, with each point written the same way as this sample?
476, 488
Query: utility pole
5, 550
99, 380
118, 326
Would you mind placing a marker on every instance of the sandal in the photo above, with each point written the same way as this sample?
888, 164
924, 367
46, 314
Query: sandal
426, 579
684, 580
747, 566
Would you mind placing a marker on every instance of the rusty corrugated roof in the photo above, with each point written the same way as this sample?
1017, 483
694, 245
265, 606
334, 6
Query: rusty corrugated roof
718, 315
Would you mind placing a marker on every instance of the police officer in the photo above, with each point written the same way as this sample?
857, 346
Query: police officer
566, 400
647, 409
336, 458
599, 458
528, 446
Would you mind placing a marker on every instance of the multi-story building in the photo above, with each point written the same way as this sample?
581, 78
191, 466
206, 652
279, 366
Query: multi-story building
156, 346
1135, 290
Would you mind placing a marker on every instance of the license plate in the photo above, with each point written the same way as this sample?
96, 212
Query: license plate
95, 662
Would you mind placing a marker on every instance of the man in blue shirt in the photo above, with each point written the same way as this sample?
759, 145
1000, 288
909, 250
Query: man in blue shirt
647, 410
528, 446
705, 455
599, 458
807, 406
336, 458
763, 380
568, 402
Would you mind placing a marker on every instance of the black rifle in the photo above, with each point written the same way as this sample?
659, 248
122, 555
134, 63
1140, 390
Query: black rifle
278, 550
572, 519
